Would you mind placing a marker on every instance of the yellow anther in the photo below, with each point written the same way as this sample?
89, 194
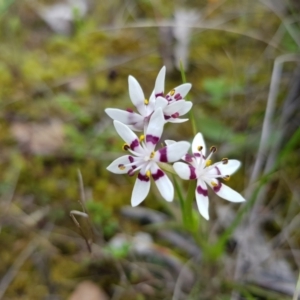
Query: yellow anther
148, 173
146, 101
213, 149
208, 163
152, 154
142, 137
225, 161
214, 184
172, 92
125, 147
199, 148
121, 167
226, 178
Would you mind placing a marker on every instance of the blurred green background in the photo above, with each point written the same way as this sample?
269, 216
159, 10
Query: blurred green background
62, 64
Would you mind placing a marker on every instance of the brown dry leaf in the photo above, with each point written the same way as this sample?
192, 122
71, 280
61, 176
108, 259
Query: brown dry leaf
88, 290
37, 138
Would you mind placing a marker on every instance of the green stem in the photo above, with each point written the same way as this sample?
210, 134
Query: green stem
189, 205
181, 200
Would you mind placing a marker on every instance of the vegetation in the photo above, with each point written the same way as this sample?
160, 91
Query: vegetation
243, 61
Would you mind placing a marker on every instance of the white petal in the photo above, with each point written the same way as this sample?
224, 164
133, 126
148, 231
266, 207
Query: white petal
186, 108
179, 92
140, 190
174, 107
128, 136
114, 167
125, 117
155, 129
172, 152
160, 102
169, 142
226, 192
185, 171
160, 82
137, 127
202, 198
198, 142
151, 105
176, 120
224, 169
137, 95
163, 183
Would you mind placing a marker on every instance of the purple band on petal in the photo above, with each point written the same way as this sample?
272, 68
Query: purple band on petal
129, 110
177, 97
202, 191
159, 94
152, 139
134, 144
143, 177
168, 97
167, 117
218, 187
197, 154
130, 172
218, 171
193, 173
188, 157
176, 115
163, 154
158, 174
131, 159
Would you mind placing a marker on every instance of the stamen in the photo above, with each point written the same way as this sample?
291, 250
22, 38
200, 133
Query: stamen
126, 147
152, 154
199, 148
142, 137
213, 149
225, 161
208, 163
146, 101
172, 92
214, 184
148, 173
121, 167
226, 178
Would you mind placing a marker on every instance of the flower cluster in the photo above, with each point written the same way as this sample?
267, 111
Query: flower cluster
143, 159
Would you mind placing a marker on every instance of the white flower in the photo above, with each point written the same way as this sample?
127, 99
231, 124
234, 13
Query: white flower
143, 158
172, 104
200, 168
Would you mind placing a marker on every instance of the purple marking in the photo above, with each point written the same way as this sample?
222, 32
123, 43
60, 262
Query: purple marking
197, 154
152, 139
142, 177
168, 97
188, 157
130, 172
167, 117
163, 154
202, 191
218, 171
193, 173
159, 94
131, 159
177, 97
129, 110
176, 115
218, 187
134, 144
158, 174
